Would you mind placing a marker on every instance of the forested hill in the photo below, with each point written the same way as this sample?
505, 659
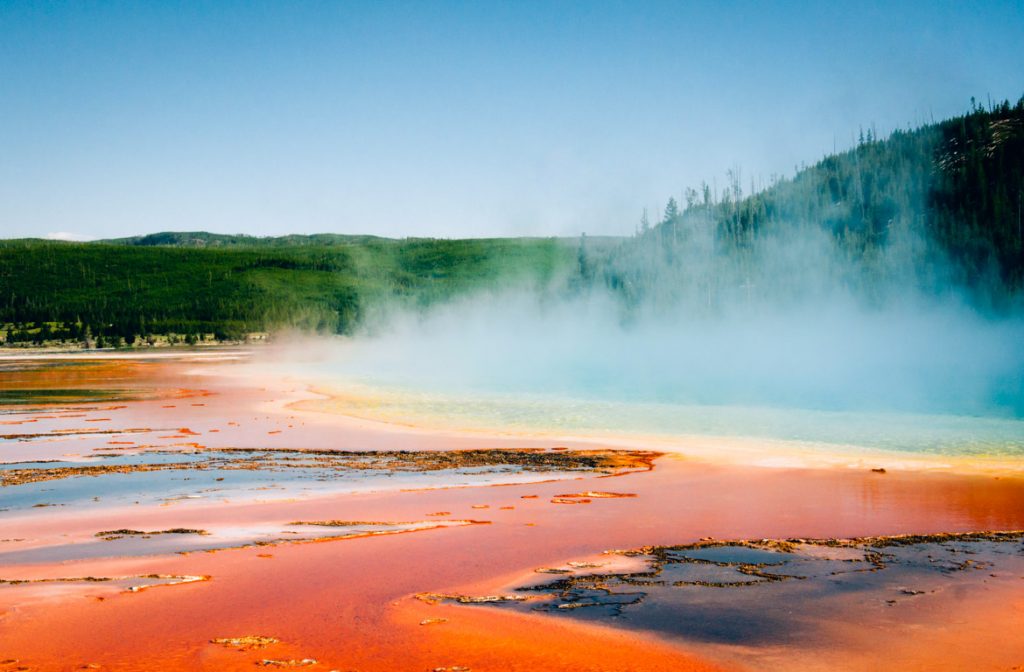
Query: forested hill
947, 197
956, 186
198, 284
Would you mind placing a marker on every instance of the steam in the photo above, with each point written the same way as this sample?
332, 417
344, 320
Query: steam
927, 358
789, 321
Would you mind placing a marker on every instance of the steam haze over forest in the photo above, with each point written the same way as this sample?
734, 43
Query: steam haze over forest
798, 222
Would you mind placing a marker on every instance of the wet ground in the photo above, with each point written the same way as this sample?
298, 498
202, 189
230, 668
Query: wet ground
767, 592
202, 522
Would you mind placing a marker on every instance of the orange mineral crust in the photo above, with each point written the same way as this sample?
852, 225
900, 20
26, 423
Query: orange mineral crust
145, 594
346, 604
350, 604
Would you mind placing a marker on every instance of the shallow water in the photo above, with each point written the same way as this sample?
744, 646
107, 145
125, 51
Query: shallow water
830, 431
351, 605
214, 537
216, 475
60, 396
734, 593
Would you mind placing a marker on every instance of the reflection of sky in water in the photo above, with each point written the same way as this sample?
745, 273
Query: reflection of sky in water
746, 608
731, 555
218, 537
268, 482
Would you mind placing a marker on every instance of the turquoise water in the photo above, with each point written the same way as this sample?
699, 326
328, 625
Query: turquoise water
523, 412
916, 378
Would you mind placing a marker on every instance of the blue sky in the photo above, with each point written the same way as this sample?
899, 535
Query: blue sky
453, 119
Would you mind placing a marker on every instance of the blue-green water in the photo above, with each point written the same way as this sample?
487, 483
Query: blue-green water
940, 434
922, 378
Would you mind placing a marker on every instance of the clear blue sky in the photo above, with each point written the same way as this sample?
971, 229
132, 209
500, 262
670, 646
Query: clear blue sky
453, 119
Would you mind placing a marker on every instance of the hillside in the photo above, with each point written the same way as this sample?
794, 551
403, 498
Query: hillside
936, 208
229, 285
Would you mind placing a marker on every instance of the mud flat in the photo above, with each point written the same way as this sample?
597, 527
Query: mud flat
204, 522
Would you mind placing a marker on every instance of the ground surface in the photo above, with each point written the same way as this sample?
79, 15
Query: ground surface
155, 518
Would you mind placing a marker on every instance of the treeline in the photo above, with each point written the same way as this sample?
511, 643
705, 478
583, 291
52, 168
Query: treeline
948, 195
128, 291
106, 335
934, 207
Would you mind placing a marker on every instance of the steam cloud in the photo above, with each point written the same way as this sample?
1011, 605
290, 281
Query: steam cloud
789, 320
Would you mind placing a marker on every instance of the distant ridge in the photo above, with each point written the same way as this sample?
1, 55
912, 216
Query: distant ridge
959, 182
203, 239
214, 240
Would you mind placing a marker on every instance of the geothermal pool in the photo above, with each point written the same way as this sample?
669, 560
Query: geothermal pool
849, 432
226, 509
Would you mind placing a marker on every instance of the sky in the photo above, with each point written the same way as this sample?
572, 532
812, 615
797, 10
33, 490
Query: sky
454, 119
